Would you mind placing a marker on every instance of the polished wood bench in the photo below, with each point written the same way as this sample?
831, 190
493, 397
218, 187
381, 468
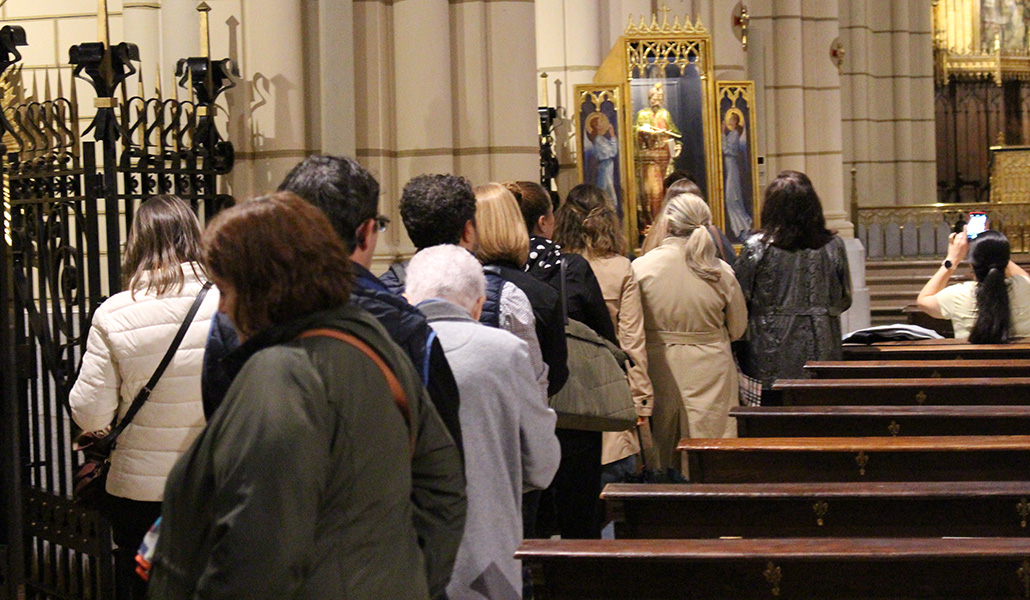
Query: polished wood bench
772, 510
895, 369
928, 458
937, 350
879, 421
790, 568
907, 392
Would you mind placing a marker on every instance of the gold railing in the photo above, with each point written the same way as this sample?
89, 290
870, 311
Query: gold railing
921, 231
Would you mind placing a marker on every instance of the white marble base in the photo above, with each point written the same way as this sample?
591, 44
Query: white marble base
859, 315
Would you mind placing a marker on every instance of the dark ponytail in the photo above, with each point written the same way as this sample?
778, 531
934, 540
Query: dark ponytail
989, 257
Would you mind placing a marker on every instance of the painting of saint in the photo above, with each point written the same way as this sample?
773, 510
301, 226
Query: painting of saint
601, 151
658, 143
739, 158
598, 115
735, 159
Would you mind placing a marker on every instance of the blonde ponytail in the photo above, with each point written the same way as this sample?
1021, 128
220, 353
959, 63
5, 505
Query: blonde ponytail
687, 216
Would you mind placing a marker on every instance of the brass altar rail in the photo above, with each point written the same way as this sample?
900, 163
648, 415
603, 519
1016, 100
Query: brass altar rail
921, 230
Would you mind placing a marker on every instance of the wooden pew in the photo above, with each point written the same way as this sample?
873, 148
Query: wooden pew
928, 458
879, 421
897, 369
905, 392
937, 350
791, 568
772, 510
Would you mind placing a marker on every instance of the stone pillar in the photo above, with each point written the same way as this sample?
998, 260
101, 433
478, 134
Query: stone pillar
268, 110
180, 35
888, 108
142, 26
443, 87
802, 102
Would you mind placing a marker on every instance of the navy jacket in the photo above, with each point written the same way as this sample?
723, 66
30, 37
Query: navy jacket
550, 323
404, 323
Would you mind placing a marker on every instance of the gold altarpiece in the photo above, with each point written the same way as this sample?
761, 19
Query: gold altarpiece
982, 90
655, 107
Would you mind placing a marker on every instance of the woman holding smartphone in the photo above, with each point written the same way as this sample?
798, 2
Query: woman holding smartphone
990, 310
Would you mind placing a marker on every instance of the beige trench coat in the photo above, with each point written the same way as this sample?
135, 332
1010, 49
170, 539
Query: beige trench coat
622, 297
689, 324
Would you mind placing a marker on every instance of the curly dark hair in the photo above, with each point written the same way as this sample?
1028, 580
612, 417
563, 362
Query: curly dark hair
792, 216
435, 208
280, 257
345, 191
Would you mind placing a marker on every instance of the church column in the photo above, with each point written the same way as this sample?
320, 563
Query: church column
443, 87
268, 110
802, 96
141, 21
889, 101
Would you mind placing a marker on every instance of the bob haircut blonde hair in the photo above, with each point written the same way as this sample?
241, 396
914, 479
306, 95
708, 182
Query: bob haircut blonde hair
165, 234
499, 226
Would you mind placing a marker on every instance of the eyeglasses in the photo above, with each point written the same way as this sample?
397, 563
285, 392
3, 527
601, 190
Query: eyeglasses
381, 222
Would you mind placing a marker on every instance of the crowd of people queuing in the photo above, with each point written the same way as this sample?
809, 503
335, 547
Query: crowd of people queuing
327, 433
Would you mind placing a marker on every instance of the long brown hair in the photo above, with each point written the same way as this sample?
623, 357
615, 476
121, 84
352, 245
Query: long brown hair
280, 257
587, 224
165, 233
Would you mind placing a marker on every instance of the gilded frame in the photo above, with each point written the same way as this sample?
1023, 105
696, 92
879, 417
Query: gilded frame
681, 58
598, 117
738, 98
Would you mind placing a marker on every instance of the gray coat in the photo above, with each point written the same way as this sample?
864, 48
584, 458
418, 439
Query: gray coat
509, 442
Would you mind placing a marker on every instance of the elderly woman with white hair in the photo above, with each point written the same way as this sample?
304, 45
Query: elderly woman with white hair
507, 428
693, 309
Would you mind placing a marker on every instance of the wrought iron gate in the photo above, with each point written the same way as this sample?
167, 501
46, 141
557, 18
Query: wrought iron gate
67, 204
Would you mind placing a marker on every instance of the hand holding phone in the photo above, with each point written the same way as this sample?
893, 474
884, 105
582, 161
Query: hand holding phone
977, 224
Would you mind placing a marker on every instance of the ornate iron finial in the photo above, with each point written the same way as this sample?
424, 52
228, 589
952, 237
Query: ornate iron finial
11, 36
206, 80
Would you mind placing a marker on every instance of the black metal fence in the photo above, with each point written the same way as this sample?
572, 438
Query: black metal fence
67, 204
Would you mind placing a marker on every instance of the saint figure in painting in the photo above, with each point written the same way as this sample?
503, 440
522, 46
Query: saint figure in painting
734, 155
601, 149
658, 141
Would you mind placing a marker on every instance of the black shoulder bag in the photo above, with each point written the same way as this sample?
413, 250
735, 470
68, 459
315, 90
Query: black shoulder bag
90, 481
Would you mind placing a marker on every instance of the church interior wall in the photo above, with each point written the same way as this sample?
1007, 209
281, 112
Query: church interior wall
446, 86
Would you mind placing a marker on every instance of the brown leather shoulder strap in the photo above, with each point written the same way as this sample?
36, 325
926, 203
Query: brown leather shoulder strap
718, 243
399, 398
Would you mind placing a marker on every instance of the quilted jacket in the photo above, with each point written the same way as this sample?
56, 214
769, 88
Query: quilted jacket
128, 338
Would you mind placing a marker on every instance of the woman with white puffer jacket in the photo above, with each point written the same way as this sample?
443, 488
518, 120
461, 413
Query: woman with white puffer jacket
129, 335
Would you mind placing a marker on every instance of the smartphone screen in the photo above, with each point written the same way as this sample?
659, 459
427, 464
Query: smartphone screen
977, 224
